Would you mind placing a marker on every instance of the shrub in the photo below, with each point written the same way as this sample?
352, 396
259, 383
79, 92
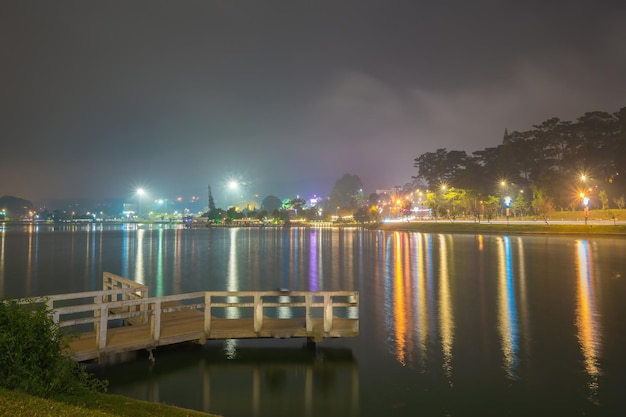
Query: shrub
31, 353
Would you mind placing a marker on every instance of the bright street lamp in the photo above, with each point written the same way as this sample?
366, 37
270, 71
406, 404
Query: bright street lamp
140, 193
507, 204
586, 205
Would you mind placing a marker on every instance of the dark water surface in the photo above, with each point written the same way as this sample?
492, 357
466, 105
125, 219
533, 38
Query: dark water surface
450, 325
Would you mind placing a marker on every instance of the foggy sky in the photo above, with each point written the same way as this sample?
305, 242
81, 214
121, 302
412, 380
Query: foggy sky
100, 97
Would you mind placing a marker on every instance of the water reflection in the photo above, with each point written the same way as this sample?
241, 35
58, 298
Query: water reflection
438, 308
139, 267
232, 280
587, 319
400, 311
507, 310
446, 313
423, 286
315, 261
159, 263
417, 309
254, 382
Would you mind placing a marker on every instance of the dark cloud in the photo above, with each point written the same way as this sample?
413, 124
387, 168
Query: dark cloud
97, 97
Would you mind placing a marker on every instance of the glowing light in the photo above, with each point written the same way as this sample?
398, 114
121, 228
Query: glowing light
446, 313
400, 308
587, 315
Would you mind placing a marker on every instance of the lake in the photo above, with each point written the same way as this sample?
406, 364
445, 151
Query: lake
450, 325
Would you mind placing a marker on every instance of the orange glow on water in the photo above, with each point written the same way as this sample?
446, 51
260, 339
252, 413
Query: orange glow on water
400, 313
446, 313
587, 315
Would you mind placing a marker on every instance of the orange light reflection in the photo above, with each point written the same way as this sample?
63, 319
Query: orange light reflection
587, 316
399, 309
446, 313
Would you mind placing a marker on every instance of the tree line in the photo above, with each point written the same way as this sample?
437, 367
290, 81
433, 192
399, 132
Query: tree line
553, 166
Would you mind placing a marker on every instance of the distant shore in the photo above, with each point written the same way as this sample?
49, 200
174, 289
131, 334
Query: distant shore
513, 227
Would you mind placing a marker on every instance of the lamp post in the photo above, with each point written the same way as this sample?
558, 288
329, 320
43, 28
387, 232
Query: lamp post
507, 204
586, 206
140, 193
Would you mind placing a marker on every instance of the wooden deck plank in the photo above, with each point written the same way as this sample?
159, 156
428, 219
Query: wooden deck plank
182, 329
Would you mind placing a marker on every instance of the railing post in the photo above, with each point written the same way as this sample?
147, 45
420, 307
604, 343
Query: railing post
155, 324
258, 313
96, 313
143, 307
101, 333
308, 298
328, 312
207, 313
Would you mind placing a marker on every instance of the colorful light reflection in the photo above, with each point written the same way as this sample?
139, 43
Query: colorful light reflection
507, 311
587, 316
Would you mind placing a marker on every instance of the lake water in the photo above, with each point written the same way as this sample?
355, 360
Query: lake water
450, 325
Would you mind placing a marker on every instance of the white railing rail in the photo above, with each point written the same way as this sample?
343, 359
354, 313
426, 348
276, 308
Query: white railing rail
322, 303
122, 299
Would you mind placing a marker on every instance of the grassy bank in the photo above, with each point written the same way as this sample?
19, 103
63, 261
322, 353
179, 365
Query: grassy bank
512, 228
19, 404
561, 222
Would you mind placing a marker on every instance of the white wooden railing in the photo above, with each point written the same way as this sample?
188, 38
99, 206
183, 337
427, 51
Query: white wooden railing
122, 299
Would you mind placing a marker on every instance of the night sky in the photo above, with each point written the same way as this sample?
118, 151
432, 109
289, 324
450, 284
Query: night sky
98, 98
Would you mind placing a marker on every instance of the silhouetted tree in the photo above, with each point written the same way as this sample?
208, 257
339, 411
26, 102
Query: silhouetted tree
270, 203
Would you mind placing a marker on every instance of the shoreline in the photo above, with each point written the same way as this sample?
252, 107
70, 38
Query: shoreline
595, 229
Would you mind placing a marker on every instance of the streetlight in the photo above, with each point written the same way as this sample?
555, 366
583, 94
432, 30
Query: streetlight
585, 205
507, 204
140, 193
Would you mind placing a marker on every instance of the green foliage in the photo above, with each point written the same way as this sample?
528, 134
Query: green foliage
542, 204
211, 200
20, 404
551, 156
346, 194
271, 203
15, 207
31, 353
604, 199
519, 205
491, 205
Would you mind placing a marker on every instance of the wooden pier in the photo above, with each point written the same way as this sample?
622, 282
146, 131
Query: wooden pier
95, 318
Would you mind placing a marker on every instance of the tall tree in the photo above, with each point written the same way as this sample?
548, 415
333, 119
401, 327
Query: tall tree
270, 203
440, 166
345, 193
211, 201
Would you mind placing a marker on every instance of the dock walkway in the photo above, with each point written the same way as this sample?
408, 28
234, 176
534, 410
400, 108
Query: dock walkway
95, 317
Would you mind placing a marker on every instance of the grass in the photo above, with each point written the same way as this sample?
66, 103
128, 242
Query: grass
607, 217
19, 404
512, 228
